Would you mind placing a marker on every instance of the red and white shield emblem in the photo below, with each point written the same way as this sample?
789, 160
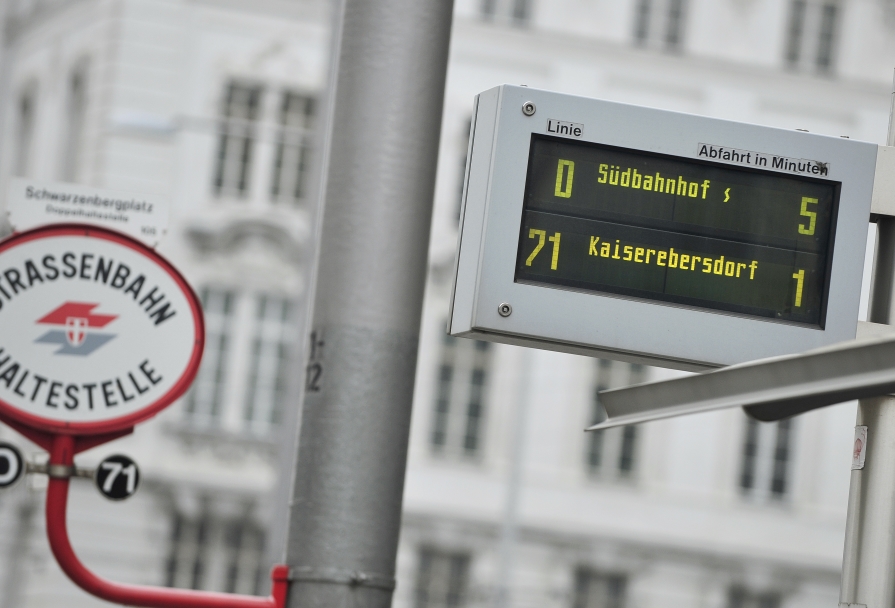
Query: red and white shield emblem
76, 330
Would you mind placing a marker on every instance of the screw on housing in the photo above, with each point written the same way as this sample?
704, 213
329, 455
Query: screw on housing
529, 108
504, 310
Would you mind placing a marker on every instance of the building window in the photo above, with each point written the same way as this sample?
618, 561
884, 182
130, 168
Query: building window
75, 122
293, 149
811, 35
738, 597
215, 555
25, 124
237, 131
660, 24
242, 382
188, 552
460, 399
597, 590
442, 579
244, 554
611, 453
272, 334
205, 400
766, 459
517, 12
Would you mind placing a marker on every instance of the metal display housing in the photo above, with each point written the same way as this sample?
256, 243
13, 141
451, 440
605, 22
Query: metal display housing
620, 327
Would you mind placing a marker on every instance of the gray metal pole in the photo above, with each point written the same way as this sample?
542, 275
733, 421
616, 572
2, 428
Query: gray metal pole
509, 528
868, 562
346, 508
287, 435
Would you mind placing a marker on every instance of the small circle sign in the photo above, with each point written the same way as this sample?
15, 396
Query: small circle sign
97, 331
11, 464
117, 477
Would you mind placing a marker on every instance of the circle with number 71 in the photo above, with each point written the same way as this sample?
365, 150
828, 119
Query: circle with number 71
117, 477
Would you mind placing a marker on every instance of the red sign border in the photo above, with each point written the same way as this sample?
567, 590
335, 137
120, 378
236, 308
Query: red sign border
105, 427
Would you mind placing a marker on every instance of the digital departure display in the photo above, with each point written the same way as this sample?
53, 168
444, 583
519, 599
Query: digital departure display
688, 232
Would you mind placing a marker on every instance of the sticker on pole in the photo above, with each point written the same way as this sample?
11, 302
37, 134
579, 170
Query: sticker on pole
859, 453
97, 331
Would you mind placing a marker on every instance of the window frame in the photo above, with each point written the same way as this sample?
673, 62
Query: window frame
660, 24
203, 410
613, 583
278, 334
287, 138
77, 106
766, 465
241, 131
26, 111
231, 408
200, 544
811, 36
741, 597
459, 564
460, 407
612, 454
513, 12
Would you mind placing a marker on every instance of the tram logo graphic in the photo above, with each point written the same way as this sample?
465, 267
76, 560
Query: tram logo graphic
75, 324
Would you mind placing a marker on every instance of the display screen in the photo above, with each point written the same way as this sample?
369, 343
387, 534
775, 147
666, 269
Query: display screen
687, 232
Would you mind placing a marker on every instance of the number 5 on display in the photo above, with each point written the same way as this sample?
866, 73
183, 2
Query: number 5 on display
811, 215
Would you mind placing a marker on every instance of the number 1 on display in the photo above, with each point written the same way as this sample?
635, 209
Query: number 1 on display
800, 283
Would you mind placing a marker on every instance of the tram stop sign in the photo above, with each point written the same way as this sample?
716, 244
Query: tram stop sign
651, 236
97, 331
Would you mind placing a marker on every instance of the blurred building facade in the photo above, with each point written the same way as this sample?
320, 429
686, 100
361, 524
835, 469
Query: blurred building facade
214, 104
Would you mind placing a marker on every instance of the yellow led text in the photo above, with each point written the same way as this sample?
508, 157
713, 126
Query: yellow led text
800, 283
555, 259
541, 234
811, 215
570, 175
632, 178
675, 259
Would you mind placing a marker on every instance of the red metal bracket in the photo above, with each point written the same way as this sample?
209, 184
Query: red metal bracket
63, 451
82, 442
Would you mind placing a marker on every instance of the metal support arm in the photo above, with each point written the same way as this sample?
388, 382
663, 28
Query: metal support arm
62, 455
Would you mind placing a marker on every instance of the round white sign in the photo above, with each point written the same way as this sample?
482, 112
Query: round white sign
97, 331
